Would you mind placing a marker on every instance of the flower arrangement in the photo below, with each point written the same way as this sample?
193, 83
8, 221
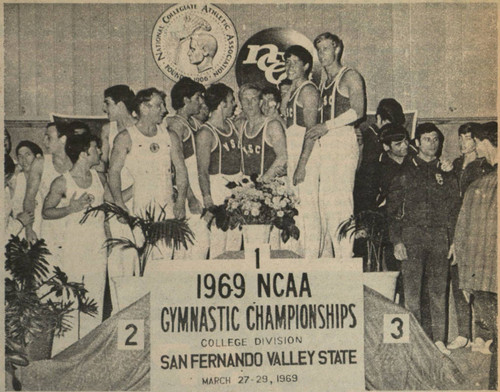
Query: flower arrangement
254, 202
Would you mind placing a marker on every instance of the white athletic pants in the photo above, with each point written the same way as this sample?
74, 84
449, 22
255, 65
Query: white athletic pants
339, 158
308, 220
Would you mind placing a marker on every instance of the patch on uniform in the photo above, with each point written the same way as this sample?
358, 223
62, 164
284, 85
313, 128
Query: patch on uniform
439, 178
154, 147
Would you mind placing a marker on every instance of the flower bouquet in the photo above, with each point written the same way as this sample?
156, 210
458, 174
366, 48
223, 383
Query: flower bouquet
254, 202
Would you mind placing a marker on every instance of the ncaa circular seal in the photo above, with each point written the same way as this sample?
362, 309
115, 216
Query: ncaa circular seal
194, 40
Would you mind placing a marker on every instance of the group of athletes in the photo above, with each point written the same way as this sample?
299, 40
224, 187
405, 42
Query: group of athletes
183, 161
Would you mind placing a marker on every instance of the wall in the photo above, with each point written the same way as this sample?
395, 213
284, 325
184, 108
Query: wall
440, 59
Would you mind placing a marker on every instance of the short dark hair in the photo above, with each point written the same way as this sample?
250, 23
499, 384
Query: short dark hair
274, 91
33, 147
184, 88
488, 131
74, 125
146, 95
6, 135
121, 93
467, 128
393, 133
216, 94
302, 53
391, 110
336, 41
428, 128
76, 144
9, 167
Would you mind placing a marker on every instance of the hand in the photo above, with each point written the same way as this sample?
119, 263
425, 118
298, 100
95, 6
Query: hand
31, 235
194, 206
81, 203
400, 252
451, 255
26, 218
180, 210
316, 132
446, 165
299, 175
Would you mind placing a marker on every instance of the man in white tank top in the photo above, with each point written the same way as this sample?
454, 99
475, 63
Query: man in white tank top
118, 101
43, 171
149, 150
187, 99
344, 104
84, 258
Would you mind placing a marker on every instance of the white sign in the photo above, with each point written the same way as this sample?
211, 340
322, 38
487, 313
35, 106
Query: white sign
288, 325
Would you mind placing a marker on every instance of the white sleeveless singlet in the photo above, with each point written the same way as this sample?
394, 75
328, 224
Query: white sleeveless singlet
150, 165
83, 255
50, 229
18, 200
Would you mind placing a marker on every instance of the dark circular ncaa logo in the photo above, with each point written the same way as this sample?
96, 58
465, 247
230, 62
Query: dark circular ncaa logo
194, 40
260, 59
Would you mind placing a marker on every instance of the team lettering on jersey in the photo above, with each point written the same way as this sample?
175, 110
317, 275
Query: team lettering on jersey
251, 149
328, 101
230, 146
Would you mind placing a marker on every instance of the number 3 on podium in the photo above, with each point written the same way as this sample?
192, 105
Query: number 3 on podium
131, 335
396, 328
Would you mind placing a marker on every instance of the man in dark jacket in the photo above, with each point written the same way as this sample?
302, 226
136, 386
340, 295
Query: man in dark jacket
389, 111
468, 167
422, 205
394, 139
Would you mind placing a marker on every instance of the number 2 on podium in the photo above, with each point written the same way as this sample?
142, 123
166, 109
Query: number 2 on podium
131, 334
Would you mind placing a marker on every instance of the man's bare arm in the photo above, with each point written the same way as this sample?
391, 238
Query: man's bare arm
177, 157
276, 137
56, 193
104, 136
204, 140
121, 147
180, 129
32, 187
309, 97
